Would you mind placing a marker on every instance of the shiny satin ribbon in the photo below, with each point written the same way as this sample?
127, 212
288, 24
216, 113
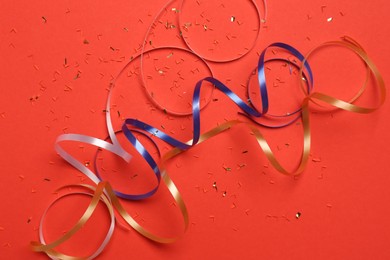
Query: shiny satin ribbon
286, 117
197, 137
249, 110
352, 45
109, 191
98, 195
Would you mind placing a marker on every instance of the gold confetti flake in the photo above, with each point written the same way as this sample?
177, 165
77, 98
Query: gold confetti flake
232, 19
174, 9
329, 19
298, 215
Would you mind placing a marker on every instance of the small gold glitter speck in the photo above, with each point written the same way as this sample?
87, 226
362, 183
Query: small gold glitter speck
330, 19
298, 215
232, 19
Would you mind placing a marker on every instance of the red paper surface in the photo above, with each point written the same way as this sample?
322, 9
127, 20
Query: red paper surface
342, 196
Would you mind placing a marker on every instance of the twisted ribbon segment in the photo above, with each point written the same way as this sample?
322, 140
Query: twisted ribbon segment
109, 196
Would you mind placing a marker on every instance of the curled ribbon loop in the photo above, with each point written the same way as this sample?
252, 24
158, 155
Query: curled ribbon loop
98, 195
349, 106
109, 196
250, 111
247, 50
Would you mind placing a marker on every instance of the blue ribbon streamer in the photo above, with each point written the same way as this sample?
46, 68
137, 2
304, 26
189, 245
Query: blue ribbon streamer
248, 111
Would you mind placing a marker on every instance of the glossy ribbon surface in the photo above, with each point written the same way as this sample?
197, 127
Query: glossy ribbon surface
110, 197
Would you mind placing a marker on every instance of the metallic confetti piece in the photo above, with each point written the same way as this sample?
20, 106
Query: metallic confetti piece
175, 10
228, 169
232, 19
329, 19
298, 215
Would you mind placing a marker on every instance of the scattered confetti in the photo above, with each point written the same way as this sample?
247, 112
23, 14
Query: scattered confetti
228, 169
175, 10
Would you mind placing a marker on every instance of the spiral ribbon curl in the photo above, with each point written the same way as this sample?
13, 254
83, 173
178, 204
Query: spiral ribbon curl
104, 191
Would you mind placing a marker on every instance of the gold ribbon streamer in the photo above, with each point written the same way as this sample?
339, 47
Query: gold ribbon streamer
349, 106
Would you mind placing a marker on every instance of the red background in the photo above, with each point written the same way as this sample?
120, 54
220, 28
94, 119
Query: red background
342, 196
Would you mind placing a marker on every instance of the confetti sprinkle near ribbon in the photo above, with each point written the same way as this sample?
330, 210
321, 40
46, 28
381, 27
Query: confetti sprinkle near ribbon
103, 192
